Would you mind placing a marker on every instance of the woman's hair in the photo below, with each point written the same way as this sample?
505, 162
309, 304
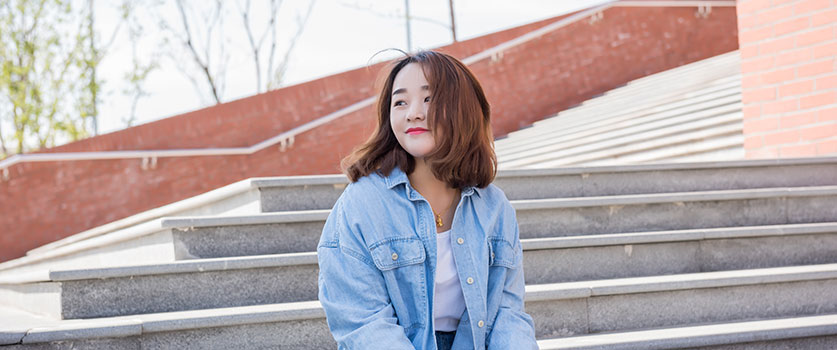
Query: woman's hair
459, 118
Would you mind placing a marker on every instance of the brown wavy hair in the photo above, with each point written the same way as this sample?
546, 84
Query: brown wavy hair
459, 118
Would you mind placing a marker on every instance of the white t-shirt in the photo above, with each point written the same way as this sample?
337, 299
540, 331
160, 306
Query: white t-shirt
449, 303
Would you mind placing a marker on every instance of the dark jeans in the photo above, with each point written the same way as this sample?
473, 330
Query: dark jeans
444, 340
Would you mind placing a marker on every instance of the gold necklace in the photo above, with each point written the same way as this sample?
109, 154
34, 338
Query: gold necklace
439, 216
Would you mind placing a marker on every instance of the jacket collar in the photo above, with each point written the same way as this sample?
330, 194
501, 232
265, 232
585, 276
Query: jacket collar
397, 177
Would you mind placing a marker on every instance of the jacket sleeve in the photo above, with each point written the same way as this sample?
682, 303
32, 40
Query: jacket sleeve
352, 291
513, 328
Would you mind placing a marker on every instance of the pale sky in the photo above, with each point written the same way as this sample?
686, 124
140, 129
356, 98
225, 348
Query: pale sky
337, 38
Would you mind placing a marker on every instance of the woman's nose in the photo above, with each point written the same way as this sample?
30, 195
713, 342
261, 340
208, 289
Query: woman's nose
415, 113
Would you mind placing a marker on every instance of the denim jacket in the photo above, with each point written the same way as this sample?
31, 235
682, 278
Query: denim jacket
377, 259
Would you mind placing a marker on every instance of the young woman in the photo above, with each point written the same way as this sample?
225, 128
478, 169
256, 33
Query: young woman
421, 251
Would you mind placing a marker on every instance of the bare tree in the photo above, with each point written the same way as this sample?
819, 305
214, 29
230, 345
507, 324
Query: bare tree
200, 51
141, 67
92, 57
406, 16
201, 35
278, 75
245, 15
452, 21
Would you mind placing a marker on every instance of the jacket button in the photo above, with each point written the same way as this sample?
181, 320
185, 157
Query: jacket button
394, 256
480, 323
492, 255
470, 280
460, 240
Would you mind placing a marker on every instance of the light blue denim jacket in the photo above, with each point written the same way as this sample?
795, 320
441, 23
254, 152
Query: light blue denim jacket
377, 258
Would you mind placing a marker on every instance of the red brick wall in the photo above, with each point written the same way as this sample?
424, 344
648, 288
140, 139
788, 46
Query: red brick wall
789, 85
43, 202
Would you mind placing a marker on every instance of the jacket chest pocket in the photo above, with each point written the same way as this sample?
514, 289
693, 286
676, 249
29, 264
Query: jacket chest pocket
501, 253
393, 253
401, 261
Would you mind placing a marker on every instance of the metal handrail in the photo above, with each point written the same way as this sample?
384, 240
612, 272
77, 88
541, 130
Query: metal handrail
286, 139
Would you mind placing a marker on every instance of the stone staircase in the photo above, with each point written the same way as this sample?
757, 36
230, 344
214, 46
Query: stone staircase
686, 114
722, 255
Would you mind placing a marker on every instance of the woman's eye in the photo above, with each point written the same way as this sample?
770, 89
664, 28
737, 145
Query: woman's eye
397, 103
427, 99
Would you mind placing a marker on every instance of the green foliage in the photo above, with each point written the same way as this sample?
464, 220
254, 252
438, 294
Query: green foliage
48, 89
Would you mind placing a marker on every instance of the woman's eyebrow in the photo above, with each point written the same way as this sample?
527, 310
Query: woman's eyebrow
398, 91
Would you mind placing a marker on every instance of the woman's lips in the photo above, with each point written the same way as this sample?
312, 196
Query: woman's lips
416, 131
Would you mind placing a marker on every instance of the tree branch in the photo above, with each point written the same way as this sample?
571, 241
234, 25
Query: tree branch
274, 10
245, 17
283, 66
396, 16
197, 59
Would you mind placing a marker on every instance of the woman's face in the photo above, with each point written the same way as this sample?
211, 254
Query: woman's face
408, 111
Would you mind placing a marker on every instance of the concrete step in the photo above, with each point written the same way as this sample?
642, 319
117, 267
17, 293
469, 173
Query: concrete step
171, 239
633, 93
813, 332
623, 255
728, 139
628, 112
285, 326
560, 310
237, 198
243, 197
280, 195
640, 147
579, 123
146, 242
733, 152
267, 233
697, 73
575, 308
251, 327
636, 97
627, 108
666, 178
213, 238
175, 286
15, 323
207, 283
575, 122
289, 232
540, 218
607, 136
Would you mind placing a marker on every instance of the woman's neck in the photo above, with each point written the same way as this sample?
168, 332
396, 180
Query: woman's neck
442, 198
423, 180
